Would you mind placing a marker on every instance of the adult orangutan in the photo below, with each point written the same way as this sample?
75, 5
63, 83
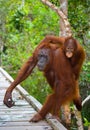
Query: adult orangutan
58, 70
76, 55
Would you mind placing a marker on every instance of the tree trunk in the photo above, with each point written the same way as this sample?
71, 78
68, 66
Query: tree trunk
64, 9
62, 12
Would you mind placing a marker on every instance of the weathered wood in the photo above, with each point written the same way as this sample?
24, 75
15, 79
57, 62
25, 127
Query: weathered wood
27, 128
22, 123
5, 85
13, 112
16, 108
17, 117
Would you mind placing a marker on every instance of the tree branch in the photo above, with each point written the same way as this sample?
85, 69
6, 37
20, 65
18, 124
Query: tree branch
61, 14
86, 100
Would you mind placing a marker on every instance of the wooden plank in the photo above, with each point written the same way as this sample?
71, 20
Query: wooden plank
3, 79
17, 112
22, 123
27, 128
15, 108
19, 117
5, 84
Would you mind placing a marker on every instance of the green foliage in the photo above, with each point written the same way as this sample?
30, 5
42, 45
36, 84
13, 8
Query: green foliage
85, 75
86, 113
78, 17
87, 123
17, 20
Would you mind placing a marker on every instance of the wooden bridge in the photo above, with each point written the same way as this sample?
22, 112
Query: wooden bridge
17, 117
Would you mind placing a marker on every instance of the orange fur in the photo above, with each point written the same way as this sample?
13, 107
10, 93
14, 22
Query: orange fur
62, 75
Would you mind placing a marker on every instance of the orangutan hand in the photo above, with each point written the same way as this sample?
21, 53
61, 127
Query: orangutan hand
8, 99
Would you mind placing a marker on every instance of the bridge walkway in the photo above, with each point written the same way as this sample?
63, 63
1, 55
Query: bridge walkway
17, 117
